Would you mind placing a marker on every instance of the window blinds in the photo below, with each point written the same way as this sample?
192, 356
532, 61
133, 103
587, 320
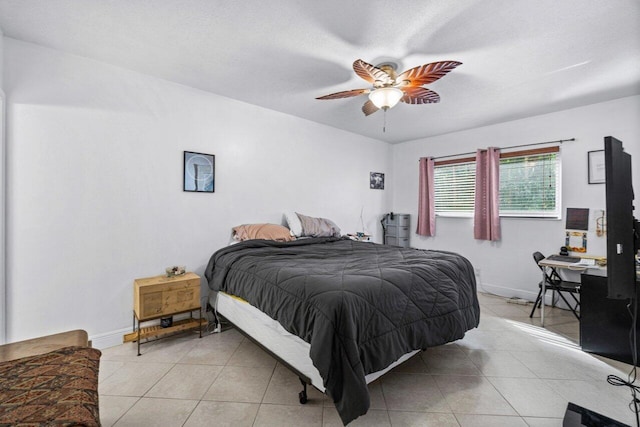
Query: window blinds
455, 188
529, 184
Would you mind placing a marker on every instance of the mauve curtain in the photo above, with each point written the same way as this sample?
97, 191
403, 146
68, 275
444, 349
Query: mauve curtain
426, 201
486, 220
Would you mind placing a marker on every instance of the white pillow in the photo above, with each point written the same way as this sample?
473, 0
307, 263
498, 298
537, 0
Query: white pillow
318, 227
294, 223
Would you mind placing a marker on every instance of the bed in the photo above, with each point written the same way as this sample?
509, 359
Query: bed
340, 312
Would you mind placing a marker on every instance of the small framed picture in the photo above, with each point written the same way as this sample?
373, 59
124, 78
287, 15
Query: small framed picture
596, 167
376, 181
199, 172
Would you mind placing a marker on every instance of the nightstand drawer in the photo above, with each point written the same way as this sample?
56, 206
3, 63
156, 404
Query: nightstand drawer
389, 240
160, 295
398, 231
155, 304
397, 241
404, 242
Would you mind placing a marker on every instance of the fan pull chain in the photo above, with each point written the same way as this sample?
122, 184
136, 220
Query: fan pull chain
384, 124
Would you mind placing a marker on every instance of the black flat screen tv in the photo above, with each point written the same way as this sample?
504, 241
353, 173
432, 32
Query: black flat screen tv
622, 228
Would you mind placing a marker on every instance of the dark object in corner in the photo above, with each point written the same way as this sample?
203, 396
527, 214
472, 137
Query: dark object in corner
604, 322
623, 230
577, 416
166, 322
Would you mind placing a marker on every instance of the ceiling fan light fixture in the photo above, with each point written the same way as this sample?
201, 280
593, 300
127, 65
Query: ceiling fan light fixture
390, 88
386, 97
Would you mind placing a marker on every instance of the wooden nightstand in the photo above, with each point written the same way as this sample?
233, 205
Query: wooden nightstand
162, 296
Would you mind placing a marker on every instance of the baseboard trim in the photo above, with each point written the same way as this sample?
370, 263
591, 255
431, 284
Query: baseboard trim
114, 338
531, 296
108, 339
509, 292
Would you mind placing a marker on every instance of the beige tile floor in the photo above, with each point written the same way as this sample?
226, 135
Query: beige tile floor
507, 372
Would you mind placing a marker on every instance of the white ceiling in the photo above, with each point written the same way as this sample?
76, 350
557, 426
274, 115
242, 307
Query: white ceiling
520, 58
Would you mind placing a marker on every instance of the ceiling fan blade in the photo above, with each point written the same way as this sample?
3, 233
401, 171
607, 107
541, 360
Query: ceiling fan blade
370, 72
419, 95
369, 108
427, 73
345, 94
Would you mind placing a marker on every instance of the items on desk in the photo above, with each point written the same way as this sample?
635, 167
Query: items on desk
576, 241
563, 258
576, 261
577, 225
587, 262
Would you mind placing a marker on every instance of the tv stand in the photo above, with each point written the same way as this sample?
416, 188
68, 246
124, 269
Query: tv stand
604, 323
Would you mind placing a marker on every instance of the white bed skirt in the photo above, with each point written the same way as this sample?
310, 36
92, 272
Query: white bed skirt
274, 337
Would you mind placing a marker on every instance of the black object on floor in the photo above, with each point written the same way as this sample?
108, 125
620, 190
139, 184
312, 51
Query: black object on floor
577, 416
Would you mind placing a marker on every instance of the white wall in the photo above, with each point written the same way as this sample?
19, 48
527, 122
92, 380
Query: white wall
94, 176
1, 59
506, 267
2, 196
95, 184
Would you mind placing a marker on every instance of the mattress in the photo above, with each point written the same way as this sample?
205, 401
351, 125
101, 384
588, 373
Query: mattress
360, 306
276, 339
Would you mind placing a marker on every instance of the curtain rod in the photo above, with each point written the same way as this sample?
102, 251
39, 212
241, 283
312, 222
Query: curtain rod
560, 141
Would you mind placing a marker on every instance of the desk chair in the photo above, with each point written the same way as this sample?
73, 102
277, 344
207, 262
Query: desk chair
555, 283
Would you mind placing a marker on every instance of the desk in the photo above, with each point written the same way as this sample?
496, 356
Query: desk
548, 263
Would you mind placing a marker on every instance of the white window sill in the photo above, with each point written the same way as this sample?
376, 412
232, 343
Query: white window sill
523, 216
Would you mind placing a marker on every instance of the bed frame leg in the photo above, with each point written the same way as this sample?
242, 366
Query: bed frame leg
303, 394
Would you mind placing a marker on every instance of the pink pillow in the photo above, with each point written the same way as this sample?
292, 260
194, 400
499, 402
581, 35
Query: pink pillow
262, 231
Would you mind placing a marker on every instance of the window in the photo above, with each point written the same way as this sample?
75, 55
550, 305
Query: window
529, 184
455, 183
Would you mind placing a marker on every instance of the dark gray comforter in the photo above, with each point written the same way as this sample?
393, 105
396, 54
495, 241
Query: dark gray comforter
359, 305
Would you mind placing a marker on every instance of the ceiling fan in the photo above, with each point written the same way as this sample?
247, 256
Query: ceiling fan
389, 88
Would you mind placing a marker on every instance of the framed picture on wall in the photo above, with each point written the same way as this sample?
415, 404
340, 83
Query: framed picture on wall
596, 167
198, 172
376, 181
